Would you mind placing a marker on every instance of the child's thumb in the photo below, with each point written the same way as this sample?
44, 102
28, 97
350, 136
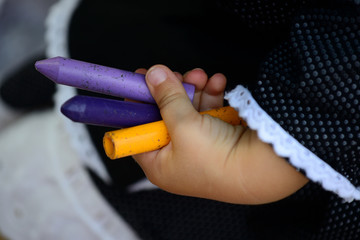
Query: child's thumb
169, 94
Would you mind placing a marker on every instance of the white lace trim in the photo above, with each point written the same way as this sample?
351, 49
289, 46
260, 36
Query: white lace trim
56, 35
286, 146
57, 24
57, 45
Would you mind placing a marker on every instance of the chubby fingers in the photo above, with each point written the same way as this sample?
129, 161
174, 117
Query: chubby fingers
213, 93
198, 78
176, 110
170, 96
209, 93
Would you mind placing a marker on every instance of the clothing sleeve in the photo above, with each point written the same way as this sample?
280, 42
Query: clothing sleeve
306, 100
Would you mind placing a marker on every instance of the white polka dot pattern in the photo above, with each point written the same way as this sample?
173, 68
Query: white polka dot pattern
310, 86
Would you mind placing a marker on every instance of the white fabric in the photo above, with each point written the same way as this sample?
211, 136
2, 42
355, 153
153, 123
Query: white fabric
45, 191
286, 146
7, 115
142, 185
21, 33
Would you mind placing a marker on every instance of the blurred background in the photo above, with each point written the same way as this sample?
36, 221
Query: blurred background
22, 27
21, 32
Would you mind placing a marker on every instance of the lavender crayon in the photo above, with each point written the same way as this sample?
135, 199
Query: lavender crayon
109, 112
101, 79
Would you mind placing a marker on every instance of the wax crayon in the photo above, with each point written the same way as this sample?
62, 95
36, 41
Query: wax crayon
101, 79
153, 136
109, 112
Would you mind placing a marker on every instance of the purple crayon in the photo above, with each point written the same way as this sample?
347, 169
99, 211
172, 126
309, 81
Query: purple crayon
109, 112
101, 79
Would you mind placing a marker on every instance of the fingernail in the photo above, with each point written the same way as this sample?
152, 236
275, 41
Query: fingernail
156, 75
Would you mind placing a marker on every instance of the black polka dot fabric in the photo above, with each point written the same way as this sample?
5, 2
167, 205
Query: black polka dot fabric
311, 213
342, 221
310, 86
265, 13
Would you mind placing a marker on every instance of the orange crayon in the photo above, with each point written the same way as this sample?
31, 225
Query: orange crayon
153, 136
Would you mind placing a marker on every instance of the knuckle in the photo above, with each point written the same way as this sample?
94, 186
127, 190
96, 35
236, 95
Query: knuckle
168, 99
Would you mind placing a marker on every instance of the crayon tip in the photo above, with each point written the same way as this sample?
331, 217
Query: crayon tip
49, 68
73, 109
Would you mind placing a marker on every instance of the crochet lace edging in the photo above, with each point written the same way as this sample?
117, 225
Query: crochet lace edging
288, 147
56, 37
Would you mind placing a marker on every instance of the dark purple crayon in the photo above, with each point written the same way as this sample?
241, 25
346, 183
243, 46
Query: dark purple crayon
109, 112
101, 79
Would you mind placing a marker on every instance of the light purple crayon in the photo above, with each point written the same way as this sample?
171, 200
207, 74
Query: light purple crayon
109, 112
101, 79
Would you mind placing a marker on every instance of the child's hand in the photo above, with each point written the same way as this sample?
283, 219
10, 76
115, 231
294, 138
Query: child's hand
207, 157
